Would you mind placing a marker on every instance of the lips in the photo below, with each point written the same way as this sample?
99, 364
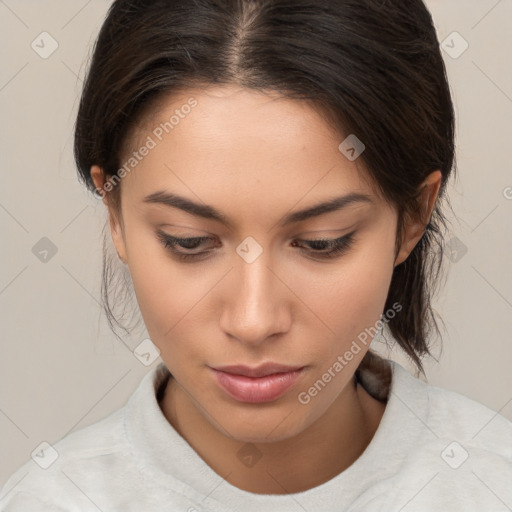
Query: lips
260, 371
264, 383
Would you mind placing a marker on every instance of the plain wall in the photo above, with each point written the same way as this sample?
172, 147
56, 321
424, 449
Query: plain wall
62, 369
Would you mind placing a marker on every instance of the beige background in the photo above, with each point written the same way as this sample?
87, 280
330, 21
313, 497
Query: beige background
61, 368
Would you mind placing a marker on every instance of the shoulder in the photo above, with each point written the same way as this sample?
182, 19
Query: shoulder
449, 414
457, 451
456, 415
96, 462
52, 469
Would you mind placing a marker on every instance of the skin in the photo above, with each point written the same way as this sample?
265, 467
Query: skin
257, 157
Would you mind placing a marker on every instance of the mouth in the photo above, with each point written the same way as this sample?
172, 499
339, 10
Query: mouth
264, 383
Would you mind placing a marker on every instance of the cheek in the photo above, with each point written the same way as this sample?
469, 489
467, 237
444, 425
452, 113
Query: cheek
166, 290
348, 303
169, 306
351, 293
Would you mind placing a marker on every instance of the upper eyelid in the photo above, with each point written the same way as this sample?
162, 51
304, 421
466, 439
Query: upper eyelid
206, 238
305, 235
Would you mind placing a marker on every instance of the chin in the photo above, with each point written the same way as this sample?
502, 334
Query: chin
255, 436
261, 426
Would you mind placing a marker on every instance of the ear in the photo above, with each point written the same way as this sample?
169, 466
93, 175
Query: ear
116, 228
415, 227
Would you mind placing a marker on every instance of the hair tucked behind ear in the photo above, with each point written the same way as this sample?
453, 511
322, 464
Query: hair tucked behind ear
374, 374
117, 291
373, 67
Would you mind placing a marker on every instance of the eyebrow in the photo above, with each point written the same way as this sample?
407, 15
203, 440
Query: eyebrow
209, 212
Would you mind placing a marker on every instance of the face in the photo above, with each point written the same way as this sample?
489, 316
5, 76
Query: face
242, 278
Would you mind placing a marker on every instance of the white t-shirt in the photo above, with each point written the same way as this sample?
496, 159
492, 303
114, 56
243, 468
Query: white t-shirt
434, 450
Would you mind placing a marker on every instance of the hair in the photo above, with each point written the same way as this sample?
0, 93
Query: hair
373, 68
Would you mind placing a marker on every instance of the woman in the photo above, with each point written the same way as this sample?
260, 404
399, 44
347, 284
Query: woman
273, 172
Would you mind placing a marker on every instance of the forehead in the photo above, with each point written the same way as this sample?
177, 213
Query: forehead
232, 135
217, 110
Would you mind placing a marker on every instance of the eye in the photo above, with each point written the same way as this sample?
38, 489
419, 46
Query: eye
318, 248
327, 247
173, 244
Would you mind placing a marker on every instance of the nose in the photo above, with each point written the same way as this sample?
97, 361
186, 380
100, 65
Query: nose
257, 303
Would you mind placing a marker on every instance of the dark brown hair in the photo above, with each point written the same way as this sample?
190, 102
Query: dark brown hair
373, 67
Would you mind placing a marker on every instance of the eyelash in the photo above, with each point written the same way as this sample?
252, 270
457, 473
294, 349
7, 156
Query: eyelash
338, 246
